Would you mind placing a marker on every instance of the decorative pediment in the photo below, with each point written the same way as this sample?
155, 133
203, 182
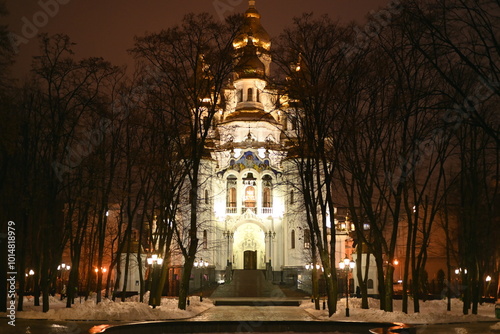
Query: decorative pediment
249, 214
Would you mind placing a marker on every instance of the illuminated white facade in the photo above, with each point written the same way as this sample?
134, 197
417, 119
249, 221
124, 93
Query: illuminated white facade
251, 217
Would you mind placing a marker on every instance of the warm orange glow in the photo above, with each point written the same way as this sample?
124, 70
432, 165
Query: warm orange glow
98, 329
395, 262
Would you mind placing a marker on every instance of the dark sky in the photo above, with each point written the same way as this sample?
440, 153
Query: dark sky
106, 28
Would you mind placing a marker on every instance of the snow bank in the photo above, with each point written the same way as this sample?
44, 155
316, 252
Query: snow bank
107, 310
431, 312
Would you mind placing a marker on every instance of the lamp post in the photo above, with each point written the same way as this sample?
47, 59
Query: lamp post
62, 268
96, 270
310, 266
488, 282
29, 279
271, 236
229, 235
315, 289
201, 265
347, 265
154, 261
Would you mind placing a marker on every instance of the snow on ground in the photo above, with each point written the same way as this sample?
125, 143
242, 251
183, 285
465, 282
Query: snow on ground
431, 312
107, 310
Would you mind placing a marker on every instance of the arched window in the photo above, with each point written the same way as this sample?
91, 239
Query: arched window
258, 96
240, 95
307, 238
249, 197
206, 197
292, 239
205, 239
292, 199
369, 284
231, 192
267, 198
267, 183
250, 94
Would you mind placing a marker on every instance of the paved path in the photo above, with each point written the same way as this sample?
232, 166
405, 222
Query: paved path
248, 283
252, 313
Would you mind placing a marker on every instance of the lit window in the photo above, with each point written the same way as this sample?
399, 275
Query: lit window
250, 197
231, 192
307, 238
266, 191
250, 94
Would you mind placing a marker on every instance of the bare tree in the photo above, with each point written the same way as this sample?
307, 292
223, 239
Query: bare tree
195, 61
62, 92
462, 36
313, 61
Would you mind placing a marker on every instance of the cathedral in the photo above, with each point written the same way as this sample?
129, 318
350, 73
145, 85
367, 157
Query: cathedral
252, 214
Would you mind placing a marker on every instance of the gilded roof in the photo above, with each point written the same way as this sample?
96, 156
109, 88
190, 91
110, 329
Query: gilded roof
252, 28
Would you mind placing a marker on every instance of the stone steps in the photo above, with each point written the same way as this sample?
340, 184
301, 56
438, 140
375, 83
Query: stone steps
248, 283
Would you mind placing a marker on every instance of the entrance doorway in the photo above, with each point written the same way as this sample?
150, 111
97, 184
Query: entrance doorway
249, 247
250, 260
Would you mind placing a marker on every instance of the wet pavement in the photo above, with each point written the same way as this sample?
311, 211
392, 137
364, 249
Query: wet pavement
30, 326
252, 313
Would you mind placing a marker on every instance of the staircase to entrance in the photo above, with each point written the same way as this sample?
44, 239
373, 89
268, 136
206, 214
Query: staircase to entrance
249, 287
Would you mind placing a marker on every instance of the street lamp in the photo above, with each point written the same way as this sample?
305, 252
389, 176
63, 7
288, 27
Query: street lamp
347, 265
202, 265
63, 267
315, 289
229, 235
488, 282
271, 235
310, 266
154, 261
29, 279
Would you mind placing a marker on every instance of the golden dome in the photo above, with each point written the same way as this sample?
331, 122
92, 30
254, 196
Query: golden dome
250, 66
252, 29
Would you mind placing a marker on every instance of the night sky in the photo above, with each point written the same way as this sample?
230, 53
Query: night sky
106, 28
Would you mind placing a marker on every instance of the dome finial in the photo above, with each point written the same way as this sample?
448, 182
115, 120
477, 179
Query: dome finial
251, 3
